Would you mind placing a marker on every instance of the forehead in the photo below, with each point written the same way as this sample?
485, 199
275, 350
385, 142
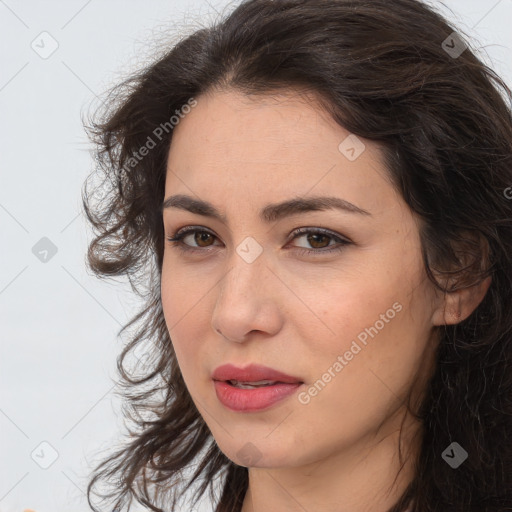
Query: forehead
281, 119
269, 145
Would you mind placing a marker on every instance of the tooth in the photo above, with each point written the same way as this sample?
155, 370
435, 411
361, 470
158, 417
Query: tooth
255, 383
249, 385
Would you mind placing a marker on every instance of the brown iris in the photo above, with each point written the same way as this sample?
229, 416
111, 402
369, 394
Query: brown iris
319, 235
199, 236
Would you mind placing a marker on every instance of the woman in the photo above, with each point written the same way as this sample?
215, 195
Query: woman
319, 191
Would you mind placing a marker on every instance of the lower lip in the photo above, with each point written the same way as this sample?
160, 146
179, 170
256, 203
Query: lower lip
247, 400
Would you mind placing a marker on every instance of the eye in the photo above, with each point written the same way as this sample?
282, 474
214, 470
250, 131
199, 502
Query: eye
316, 237
204, 237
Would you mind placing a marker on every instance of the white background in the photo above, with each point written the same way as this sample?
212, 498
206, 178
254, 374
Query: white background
59, 324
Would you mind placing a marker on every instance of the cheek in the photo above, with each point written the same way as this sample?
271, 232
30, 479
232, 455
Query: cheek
182, 294
341, 312
182, 307
377, 323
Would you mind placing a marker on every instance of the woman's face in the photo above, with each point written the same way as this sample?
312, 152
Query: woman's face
354, 325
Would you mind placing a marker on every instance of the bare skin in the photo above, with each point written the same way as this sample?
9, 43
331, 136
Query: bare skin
338, 449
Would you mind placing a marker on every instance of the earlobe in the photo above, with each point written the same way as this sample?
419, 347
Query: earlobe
458, 305
449, 312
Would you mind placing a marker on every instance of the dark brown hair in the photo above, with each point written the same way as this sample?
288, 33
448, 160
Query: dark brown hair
384, 72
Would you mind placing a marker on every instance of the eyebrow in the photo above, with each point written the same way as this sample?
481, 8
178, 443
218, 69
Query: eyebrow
270, 213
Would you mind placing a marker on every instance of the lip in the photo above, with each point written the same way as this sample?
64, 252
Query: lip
251, 400
257, 399
252, 373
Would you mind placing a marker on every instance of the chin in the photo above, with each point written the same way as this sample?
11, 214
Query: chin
260, 454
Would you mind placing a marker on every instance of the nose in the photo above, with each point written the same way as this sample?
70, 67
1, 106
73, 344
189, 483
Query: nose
248, 301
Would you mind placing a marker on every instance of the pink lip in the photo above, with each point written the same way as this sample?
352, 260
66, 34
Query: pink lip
252, 373
247, 400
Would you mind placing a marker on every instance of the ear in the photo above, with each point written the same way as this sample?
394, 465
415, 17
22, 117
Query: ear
472, 253
456, 306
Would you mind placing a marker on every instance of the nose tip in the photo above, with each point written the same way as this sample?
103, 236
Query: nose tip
247, 303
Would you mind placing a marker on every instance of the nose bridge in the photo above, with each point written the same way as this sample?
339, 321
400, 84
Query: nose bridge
245, 300
245, 276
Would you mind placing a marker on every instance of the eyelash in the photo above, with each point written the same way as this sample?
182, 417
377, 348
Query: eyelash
177, 238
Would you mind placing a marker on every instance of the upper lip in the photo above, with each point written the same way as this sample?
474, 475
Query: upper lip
251, 373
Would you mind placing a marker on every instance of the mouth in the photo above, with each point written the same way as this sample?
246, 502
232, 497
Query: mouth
252, 388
